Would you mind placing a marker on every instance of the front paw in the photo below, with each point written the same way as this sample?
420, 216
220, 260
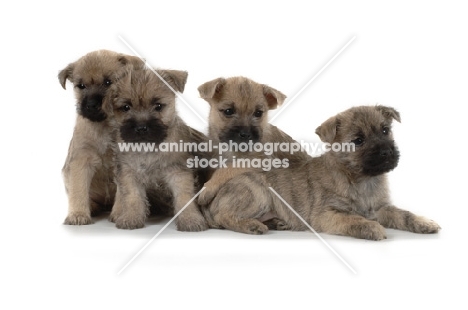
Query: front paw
368, 230
422, 225
127, 221
78, 219
191, 222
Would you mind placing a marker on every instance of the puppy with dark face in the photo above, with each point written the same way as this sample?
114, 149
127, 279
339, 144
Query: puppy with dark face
88, 169
343, 193
239, 113
145, 112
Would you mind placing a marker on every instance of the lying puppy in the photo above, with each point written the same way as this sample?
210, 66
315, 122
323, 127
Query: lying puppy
343, 193
239, 113
88, 169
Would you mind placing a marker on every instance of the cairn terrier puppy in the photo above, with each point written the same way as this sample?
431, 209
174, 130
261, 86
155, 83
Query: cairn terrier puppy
88, 169
145, 112
342, 193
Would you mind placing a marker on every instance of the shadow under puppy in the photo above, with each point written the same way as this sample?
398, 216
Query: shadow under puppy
145, 112
239, 113
88, 169
343, 193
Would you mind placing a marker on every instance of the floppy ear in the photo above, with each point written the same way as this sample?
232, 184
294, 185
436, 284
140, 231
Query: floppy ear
274, 97
66, 74
175, 78
209, 89
136, 62
327, 131
389, 112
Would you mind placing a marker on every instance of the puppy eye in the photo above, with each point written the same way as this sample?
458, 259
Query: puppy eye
258, 113
228, 112
386, 130
358, 141
125, 108
107, 82
158, 107
81, 86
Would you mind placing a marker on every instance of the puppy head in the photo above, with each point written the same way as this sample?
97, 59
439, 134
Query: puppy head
144, 106
92, 75
239, 108
368, 128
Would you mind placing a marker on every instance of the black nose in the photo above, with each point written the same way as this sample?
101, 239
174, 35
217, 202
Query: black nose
245, 134
141, 128
94, 103
386, 152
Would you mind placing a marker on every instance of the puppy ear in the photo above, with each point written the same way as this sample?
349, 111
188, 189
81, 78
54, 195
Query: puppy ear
389, 112
327, 131
274, 97
66, 74
136, 62
209, 89
175, 78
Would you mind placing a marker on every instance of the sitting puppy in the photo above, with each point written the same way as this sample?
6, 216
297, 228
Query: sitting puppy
145, 112
239, 113
88, 169
343, 193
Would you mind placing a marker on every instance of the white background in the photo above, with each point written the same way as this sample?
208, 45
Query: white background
409, 55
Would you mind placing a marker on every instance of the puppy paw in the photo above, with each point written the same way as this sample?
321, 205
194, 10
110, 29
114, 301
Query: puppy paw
113, 217
253, 227
191, 222
369, 231
276, 224
422, 225
78, 219
130, 222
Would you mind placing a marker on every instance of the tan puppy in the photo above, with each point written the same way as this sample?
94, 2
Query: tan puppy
343, 193
145, 112
239, 113
88, 169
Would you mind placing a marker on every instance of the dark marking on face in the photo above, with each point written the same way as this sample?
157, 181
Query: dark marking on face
91, 108
152, 130
380, 159
241, 134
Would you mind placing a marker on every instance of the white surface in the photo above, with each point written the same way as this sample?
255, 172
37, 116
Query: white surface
409, 55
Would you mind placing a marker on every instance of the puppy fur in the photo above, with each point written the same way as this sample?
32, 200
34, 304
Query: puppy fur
343, 193
145, 112
239, 112
88, 169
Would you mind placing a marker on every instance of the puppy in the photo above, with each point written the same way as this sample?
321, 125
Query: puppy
88, 169
239, 113
145, 112
343, 193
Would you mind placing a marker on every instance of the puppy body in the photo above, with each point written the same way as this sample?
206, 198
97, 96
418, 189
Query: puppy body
88, 169
144, 112
239, 113
344, 193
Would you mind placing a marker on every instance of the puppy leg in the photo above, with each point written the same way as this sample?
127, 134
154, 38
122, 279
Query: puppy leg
181, 183
78, 174
336, 222
219, 177
392, 217
131, 207
117, 208
238, 218
241, 204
